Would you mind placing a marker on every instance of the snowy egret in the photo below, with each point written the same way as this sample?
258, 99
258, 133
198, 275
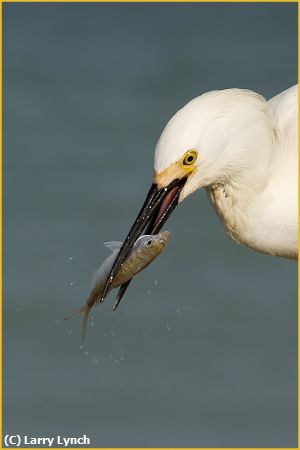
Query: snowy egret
243, 150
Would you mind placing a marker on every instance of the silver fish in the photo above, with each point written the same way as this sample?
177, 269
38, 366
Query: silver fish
145, 250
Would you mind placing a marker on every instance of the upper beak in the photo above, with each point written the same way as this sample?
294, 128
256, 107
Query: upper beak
159, 204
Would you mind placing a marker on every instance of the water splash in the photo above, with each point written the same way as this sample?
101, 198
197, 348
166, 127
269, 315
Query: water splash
95, 361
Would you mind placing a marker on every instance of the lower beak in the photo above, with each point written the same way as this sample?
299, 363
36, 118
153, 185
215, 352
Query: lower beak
158, 206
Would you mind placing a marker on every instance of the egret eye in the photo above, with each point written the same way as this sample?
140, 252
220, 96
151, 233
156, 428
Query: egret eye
189, 158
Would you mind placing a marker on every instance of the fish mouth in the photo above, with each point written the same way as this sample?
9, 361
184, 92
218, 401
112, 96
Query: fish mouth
157, 208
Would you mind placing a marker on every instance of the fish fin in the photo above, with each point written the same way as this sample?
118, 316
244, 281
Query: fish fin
113, 245
121, 292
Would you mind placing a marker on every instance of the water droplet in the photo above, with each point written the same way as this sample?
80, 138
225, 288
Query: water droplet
178, 311
19, 309
72, 283
168, 326
71, 258
86, 353
148, 292
70, 332
156, 283
95, 361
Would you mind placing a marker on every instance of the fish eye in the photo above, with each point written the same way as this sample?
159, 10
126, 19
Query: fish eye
189, 158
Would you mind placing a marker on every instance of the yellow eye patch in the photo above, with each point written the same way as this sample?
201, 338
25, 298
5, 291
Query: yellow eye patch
189, 158
181, 168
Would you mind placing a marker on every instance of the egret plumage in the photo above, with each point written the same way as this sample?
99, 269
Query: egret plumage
243, 150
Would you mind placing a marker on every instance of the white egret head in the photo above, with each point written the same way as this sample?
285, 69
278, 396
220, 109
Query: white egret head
223, 131
213, 138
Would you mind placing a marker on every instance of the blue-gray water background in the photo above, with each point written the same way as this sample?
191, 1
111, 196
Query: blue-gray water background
202, 350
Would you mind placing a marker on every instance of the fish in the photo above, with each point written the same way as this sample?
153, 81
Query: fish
145, 250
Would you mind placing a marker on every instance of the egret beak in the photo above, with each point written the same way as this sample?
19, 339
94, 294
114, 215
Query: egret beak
158, 206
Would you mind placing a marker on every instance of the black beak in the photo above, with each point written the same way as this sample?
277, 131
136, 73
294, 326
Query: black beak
158, 206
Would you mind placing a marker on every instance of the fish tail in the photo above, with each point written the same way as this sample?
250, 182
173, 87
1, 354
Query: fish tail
85, 321
76, 313
84, 310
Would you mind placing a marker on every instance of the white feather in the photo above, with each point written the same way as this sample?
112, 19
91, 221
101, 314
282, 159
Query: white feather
247, 161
